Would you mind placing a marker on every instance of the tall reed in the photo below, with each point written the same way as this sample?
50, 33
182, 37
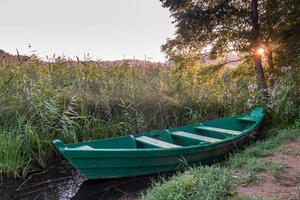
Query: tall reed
76, 101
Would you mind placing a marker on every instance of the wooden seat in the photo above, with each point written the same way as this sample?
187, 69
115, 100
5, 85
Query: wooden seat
83, 147
196, 137
155, 142
247, 119
220, 130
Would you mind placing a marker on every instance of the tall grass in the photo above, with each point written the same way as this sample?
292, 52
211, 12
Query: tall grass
76, 101
196, 184
12, 158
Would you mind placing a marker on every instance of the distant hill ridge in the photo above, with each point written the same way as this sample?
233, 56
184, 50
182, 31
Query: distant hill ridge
232, 60
4, 55
130, 62
133, 63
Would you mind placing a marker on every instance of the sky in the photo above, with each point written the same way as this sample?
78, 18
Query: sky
104, 29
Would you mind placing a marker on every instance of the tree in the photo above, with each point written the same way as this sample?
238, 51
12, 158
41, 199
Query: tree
228, 25
256, 43
288, 34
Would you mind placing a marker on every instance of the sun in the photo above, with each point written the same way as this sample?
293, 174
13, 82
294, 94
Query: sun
260, 51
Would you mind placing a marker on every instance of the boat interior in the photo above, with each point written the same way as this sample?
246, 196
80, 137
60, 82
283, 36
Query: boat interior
196, 134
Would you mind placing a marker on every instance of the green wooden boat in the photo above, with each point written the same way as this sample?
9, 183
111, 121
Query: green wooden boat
160, 150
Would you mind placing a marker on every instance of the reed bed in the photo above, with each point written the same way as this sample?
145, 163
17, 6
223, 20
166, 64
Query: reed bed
77, 101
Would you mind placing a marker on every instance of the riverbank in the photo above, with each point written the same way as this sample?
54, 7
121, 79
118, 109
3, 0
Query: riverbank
267, 169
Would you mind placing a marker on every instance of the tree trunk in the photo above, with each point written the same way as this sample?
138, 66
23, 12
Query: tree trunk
260, 77
271, 67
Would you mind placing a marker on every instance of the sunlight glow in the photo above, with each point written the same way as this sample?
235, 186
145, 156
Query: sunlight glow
260, 51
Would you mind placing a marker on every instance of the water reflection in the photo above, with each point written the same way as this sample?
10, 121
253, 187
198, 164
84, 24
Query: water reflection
54, 183
65, 183
126, 188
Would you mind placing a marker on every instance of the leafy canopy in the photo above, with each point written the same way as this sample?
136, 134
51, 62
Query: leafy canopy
225, 25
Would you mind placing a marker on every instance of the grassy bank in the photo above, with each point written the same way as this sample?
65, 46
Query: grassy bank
75, 101
217, 181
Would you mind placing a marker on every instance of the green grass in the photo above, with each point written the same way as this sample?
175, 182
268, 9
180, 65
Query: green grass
197, 183
247, 159
216, 182
75, 101
19, 163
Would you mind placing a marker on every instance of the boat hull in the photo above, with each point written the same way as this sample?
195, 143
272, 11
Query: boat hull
152, 165
104, 163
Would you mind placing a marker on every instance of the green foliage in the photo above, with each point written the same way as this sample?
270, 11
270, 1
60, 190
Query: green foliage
252, 165
73, 102
283, 96
227, 25
219, 24
249, 161
237, 26
12, 159
198, 183
288, 50
262, 148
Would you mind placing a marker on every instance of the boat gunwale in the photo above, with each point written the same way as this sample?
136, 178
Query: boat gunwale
234, 138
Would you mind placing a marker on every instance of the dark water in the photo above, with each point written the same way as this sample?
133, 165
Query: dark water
64, 183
